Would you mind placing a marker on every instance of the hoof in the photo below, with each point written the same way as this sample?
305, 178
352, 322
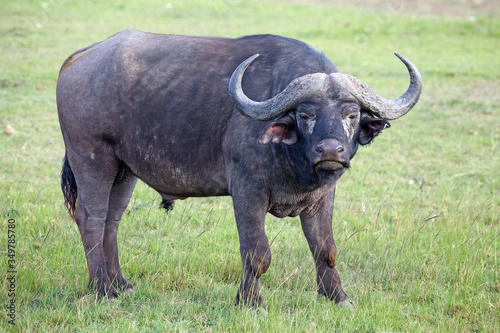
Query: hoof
249, 300
129, 291
346, 304
257, 311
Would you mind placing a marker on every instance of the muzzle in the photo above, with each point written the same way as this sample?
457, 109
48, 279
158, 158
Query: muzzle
330, 155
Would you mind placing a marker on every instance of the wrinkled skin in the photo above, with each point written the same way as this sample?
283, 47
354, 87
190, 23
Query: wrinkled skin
156, 107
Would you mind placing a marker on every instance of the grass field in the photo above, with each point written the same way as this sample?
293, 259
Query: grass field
416, 218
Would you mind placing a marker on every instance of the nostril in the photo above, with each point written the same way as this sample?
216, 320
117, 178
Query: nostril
329, 149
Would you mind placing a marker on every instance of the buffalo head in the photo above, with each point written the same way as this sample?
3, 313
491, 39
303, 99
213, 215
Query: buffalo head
326, 117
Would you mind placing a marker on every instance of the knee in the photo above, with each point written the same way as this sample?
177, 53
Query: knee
90, 223
84, 213
80, 214
257, 260
260, 263
328, 255
332, 256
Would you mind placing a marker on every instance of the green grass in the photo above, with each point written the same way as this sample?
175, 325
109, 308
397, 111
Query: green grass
416, 219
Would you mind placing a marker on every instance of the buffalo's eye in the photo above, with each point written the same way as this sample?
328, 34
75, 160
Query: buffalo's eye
353, 116
305, 116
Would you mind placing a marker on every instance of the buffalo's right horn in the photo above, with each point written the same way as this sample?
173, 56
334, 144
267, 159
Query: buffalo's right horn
275, 106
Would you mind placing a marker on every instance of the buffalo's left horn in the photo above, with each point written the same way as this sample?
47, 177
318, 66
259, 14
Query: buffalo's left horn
381, 107
275, 106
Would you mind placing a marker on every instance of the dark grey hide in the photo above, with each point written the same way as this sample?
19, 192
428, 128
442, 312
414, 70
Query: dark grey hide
157, 107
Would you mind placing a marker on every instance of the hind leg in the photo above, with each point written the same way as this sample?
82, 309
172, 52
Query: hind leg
90, 216
118, 200
94, 179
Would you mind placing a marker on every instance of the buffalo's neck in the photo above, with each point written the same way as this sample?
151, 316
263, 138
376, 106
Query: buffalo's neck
292, 184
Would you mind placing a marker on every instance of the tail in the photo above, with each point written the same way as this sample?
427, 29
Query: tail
68, 186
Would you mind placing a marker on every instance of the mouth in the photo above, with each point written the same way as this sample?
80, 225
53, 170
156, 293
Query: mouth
331, 165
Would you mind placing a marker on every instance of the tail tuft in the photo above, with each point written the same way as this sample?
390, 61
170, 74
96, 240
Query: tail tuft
68, 186
167, 205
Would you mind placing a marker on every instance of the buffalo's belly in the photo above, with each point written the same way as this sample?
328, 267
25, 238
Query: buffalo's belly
176, 174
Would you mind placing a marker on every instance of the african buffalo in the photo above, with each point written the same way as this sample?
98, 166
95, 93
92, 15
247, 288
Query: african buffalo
201, 116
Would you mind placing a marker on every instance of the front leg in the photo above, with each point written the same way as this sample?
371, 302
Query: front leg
250, 213
317, 226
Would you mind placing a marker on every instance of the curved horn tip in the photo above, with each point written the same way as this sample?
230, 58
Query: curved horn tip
399, 55
251, 59
404, 59
412, 69
244, 65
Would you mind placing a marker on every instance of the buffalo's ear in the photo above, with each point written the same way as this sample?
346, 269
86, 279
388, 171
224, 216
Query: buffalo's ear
370, 127
280, 131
